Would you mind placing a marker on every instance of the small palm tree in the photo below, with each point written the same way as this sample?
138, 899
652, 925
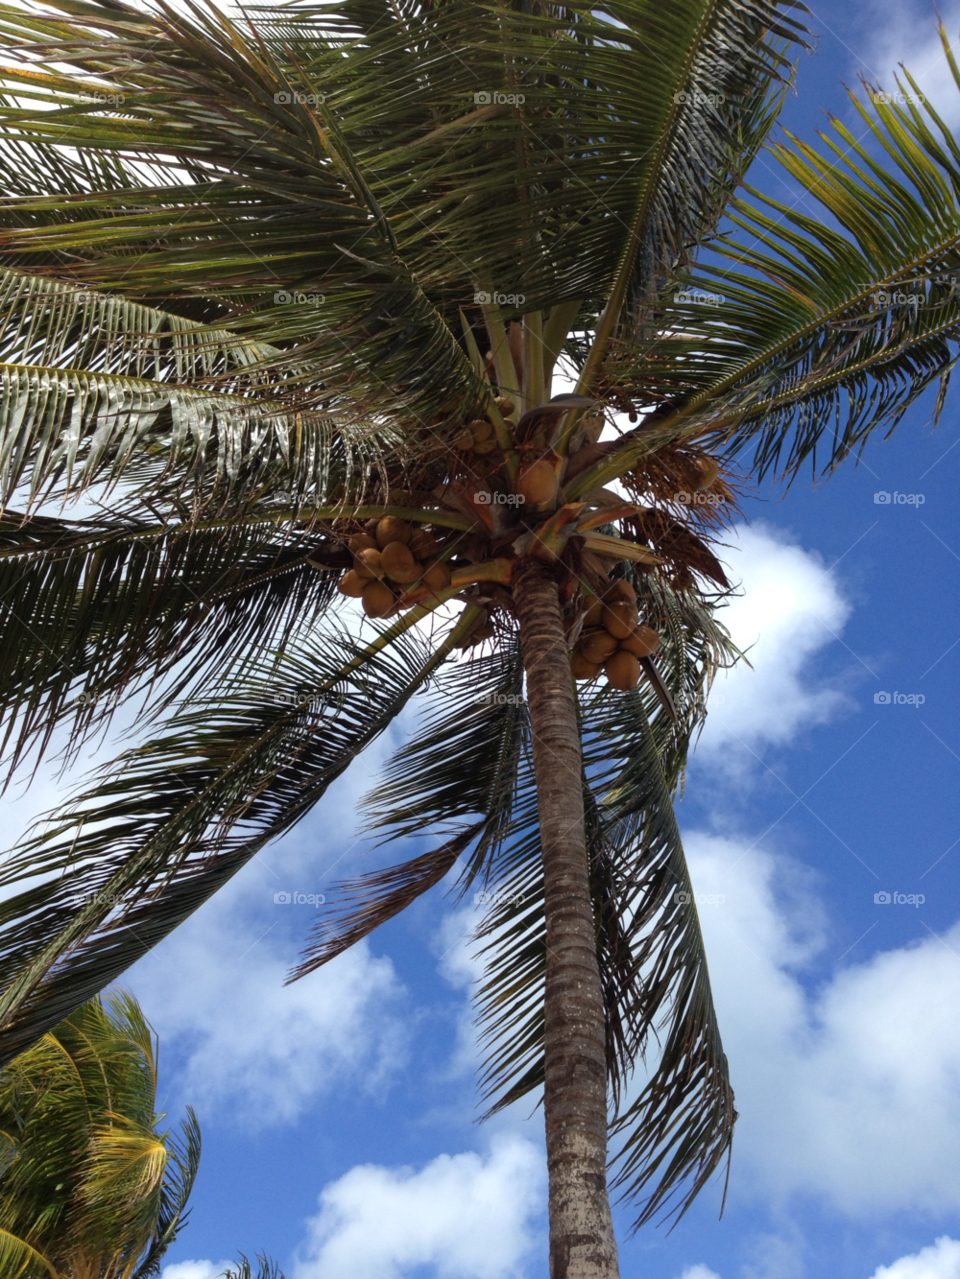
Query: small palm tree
89, 1186
283, 304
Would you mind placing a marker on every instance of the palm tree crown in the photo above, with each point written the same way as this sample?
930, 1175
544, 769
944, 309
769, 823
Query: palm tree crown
90, 1188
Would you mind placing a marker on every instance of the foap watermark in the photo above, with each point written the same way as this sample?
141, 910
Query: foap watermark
699, 296
494, 98
104, 99
701, 499
482, 298
283, 298
900, 99
883, 498
899, 899
289, 96
497, 499
701, 899
695, 98
299, 899
883, 297
898, 699
103, 899
499, 699
498, 899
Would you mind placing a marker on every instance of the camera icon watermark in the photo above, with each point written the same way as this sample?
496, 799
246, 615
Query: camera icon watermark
700, 297
700, 499
499, 699
899, 899
899, 699
483, 298
883, 498
701, 899
283, 298
498, 899
483, 498
288, 96
299, 899
900, 99
486, 98
697, 99
883, 298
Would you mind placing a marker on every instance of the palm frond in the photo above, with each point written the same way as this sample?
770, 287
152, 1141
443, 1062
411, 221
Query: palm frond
118, 868
93, 611
811, 331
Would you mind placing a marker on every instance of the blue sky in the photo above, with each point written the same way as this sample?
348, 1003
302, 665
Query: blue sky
338, 1113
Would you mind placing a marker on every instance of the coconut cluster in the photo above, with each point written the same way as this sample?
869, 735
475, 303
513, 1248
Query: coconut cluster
613, 639
391, 558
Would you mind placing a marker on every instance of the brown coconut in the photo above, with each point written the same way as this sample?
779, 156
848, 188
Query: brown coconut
436, 575
620, 618
709, 472
423, 544
597, 646
352, 584
642, 641
620, 589
367, 563
363, 542
622, 669
582, 668
537, 483
398, 563
390, 529
594, 613
378, 599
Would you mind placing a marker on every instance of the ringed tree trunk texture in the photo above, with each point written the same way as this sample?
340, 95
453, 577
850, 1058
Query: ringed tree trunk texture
582, 1243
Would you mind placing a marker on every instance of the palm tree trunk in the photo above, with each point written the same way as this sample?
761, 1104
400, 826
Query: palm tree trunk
582, 1245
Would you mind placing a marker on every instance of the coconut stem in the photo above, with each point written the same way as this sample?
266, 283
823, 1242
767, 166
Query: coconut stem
582, 1244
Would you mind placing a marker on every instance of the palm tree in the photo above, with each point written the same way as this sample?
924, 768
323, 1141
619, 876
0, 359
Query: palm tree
283, 303
90, 1188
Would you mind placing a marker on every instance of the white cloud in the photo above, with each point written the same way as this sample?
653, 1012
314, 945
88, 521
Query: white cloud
851, 1094
699, 1272
245, 1042
464, 1216
791, 607
940, 1261
908, 34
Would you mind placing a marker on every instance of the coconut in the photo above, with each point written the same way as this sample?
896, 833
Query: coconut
486, 630
582, 668
378, 599
367, 563
362, 542
398, 563
642, 641
463, 440
622, 669
505, 405
480, 429
352, 583
709, 469
423, 544
594, 613
620, 618
391, 529
537, 483
436, 575
370, 528
620, 589
597, 646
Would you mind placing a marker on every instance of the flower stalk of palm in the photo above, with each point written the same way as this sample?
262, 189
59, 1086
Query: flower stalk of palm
90, 1188
284, 298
